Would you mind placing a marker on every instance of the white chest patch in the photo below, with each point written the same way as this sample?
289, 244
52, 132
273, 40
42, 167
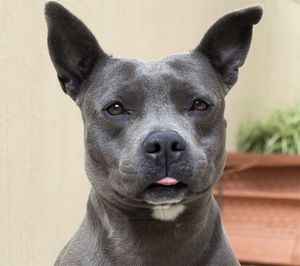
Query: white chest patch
167, 212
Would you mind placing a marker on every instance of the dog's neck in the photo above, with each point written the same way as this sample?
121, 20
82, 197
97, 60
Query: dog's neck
136, 231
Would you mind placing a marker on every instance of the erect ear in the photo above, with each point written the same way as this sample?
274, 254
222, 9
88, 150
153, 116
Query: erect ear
227, 42
73, 48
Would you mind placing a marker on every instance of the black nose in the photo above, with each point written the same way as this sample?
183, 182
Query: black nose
164, 147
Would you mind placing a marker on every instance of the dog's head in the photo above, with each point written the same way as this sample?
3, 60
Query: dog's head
154, 131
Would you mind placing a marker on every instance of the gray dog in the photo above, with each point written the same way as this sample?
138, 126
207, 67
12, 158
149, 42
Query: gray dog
154, 135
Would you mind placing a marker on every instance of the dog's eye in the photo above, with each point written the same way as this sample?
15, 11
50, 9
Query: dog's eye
116, 109
199, 105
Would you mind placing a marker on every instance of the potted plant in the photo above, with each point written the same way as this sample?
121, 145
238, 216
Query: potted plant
260, 191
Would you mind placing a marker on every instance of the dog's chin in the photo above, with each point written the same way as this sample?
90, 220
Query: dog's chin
157, 194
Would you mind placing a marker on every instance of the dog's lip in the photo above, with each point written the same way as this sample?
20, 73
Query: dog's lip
167, 181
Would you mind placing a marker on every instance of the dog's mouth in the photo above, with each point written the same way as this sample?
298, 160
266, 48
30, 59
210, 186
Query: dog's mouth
160, 187
166, 188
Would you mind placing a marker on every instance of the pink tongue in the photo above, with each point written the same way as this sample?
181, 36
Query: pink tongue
167, 181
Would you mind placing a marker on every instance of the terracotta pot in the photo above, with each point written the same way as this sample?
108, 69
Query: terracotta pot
259, 196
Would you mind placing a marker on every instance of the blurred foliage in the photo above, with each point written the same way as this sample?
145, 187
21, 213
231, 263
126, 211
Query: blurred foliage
279, 134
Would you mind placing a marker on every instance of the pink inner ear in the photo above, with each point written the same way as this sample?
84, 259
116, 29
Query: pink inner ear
227, 54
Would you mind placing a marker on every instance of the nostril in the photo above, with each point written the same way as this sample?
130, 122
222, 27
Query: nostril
174, 146
164, 145
153, 148
177, 146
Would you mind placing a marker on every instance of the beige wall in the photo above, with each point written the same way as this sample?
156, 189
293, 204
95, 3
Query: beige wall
43, 188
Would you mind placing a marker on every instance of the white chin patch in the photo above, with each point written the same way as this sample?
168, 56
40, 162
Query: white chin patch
167, 212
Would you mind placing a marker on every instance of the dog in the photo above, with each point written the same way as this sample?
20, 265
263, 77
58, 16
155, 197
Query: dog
154, 137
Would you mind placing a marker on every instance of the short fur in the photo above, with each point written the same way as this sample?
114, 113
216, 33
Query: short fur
127, 223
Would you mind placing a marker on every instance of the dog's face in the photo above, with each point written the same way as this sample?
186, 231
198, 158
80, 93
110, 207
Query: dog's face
145, 122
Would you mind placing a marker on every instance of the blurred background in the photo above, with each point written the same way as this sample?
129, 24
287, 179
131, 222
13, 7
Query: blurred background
43, 188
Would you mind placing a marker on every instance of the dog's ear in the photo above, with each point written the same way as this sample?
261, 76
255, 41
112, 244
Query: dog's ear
73, 48
227, 42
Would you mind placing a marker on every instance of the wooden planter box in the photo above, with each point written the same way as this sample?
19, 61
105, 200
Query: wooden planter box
259, 196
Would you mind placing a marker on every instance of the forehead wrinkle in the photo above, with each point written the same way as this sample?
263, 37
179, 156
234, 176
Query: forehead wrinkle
154, 75
197, 71
119, 90
144, 77
194, 87
122, 79
161, 77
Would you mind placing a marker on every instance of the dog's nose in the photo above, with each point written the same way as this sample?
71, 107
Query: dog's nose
164, 146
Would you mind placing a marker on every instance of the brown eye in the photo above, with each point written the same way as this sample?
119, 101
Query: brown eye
199, 105
115, 109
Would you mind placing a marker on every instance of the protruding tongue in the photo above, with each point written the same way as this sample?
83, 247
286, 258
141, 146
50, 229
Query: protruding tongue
167, 181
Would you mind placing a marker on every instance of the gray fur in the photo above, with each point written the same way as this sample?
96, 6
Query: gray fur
120, 227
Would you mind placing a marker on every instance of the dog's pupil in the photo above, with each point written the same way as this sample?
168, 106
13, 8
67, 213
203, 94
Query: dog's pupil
199, 105
115, 109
